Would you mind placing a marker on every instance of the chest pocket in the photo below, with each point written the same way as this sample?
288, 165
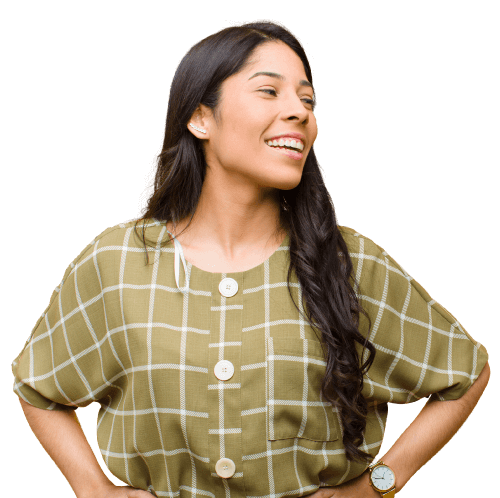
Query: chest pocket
295, 406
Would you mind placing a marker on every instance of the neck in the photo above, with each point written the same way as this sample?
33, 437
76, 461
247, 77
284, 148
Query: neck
232, 220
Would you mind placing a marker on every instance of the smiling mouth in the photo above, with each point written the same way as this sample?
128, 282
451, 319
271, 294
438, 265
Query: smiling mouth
290, 144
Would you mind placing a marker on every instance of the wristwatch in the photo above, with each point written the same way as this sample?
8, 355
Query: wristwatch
383, 479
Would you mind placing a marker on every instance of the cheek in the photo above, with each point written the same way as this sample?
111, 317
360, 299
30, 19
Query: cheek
240, 139
314, 127
247, 123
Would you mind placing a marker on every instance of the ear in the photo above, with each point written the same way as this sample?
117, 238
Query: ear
199, 124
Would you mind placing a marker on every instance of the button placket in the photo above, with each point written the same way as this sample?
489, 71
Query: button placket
224, 388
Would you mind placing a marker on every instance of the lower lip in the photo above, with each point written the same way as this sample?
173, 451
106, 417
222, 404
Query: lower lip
288, 152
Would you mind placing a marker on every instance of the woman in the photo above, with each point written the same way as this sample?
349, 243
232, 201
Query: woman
240, 343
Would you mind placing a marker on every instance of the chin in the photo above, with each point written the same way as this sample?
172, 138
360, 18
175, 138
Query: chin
289, 186
283, 177
285, 183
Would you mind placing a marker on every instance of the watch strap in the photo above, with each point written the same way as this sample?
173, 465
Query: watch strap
389, 494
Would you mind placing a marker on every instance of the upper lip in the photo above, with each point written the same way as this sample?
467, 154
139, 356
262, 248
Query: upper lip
300, 136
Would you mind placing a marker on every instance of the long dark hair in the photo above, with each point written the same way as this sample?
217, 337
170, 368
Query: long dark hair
318, 253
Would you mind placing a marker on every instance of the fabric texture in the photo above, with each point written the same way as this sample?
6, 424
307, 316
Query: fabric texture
120, 332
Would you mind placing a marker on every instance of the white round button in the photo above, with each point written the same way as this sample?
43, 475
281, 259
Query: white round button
228, 287
224, 370
225, 468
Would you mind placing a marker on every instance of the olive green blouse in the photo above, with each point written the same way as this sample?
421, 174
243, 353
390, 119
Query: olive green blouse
212, 388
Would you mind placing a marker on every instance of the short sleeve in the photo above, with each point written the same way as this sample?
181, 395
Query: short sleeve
421, 348
64, 363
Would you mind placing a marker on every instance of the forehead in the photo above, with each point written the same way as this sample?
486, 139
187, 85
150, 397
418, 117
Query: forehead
277, 57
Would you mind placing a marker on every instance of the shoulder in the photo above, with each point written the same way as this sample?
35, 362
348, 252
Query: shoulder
132, 233
101, 259
358, 243
372, 265
132, 236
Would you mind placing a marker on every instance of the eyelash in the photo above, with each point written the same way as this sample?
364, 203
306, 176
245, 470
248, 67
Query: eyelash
307, 101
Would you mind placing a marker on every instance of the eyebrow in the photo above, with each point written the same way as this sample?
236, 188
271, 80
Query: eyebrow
280, 77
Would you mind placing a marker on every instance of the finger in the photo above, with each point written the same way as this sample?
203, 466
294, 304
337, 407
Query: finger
143, 494
136, 493
327, 493
322, 493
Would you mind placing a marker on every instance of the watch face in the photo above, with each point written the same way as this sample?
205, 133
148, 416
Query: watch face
383, 478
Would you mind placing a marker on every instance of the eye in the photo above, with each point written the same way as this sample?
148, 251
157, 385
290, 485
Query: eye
272, 91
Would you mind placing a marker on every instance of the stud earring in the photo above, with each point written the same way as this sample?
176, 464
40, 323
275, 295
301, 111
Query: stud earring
196, 128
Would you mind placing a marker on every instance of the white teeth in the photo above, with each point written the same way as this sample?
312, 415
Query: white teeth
296, 144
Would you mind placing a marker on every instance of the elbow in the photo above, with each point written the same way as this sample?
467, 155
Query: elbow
484, 376
471, 397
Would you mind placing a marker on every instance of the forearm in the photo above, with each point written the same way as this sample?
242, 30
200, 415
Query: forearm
434, 426
62, 437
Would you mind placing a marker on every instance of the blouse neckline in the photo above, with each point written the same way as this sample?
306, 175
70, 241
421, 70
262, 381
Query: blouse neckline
179, 258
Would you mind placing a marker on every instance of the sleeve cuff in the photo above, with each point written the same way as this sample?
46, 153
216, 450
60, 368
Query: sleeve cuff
35, 399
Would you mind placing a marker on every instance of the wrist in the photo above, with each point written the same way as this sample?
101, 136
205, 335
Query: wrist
96, 489
382, 479
399, 470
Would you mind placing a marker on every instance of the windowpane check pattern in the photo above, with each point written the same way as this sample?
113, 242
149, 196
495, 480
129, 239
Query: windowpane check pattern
122, 333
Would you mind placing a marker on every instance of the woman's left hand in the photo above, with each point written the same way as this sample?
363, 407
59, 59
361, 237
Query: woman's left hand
356, 488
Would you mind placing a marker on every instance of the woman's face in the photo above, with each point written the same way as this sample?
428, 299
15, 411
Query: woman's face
255, 108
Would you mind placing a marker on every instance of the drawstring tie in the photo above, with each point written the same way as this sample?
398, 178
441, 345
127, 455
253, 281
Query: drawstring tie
179, 255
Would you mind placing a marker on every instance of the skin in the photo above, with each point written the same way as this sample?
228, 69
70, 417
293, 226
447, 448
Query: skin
234, 225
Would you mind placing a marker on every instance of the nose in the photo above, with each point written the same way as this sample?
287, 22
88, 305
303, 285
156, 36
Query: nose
294, 110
